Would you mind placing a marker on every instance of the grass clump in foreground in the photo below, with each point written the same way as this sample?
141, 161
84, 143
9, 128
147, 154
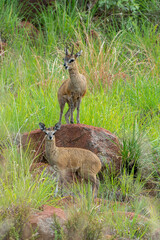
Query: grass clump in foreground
101, 219
21, 191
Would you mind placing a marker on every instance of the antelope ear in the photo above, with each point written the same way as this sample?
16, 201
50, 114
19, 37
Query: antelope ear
78, 54
42, 126
57, 127
72, 50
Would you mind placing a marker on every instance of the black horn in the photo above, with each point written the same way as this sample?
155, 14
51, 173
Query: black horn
66, 50
72, 50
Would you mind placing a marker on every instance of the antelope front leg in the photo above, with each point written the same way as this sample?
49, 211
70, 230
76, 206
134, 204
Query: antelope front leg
78, 108
56, 190
64, 174
67, 115
72, 110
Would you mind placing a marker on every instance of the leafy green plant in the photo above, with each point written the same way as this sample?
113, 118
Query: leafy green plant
122, 5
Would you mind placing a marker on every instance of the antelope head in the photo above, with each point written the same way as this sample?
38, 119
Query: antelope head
49, 133
69, 59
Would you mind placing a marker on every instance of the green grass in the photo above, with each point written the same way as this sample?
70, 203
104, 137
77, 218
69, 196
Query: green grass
90, 219
20, 186
122, 71
21, 190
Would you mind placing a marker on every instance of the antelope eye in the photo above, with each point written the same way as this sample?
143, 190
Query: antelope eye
71, 60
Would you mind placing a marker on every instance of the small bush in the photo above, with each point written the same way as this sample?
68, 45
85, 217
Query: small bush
83, 226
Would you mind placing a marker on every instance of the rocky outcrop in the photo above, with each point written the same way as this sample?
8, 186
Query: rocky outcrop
5, 227
98, 140
41, 224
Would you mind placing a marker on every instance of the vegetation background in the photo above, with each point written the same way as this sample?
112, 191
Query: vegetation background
120, 40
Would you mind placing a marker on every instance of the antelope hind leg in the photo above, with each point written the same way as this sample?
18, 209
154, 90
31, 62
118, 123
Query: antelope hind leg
62, 104
56, 190
64, 177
